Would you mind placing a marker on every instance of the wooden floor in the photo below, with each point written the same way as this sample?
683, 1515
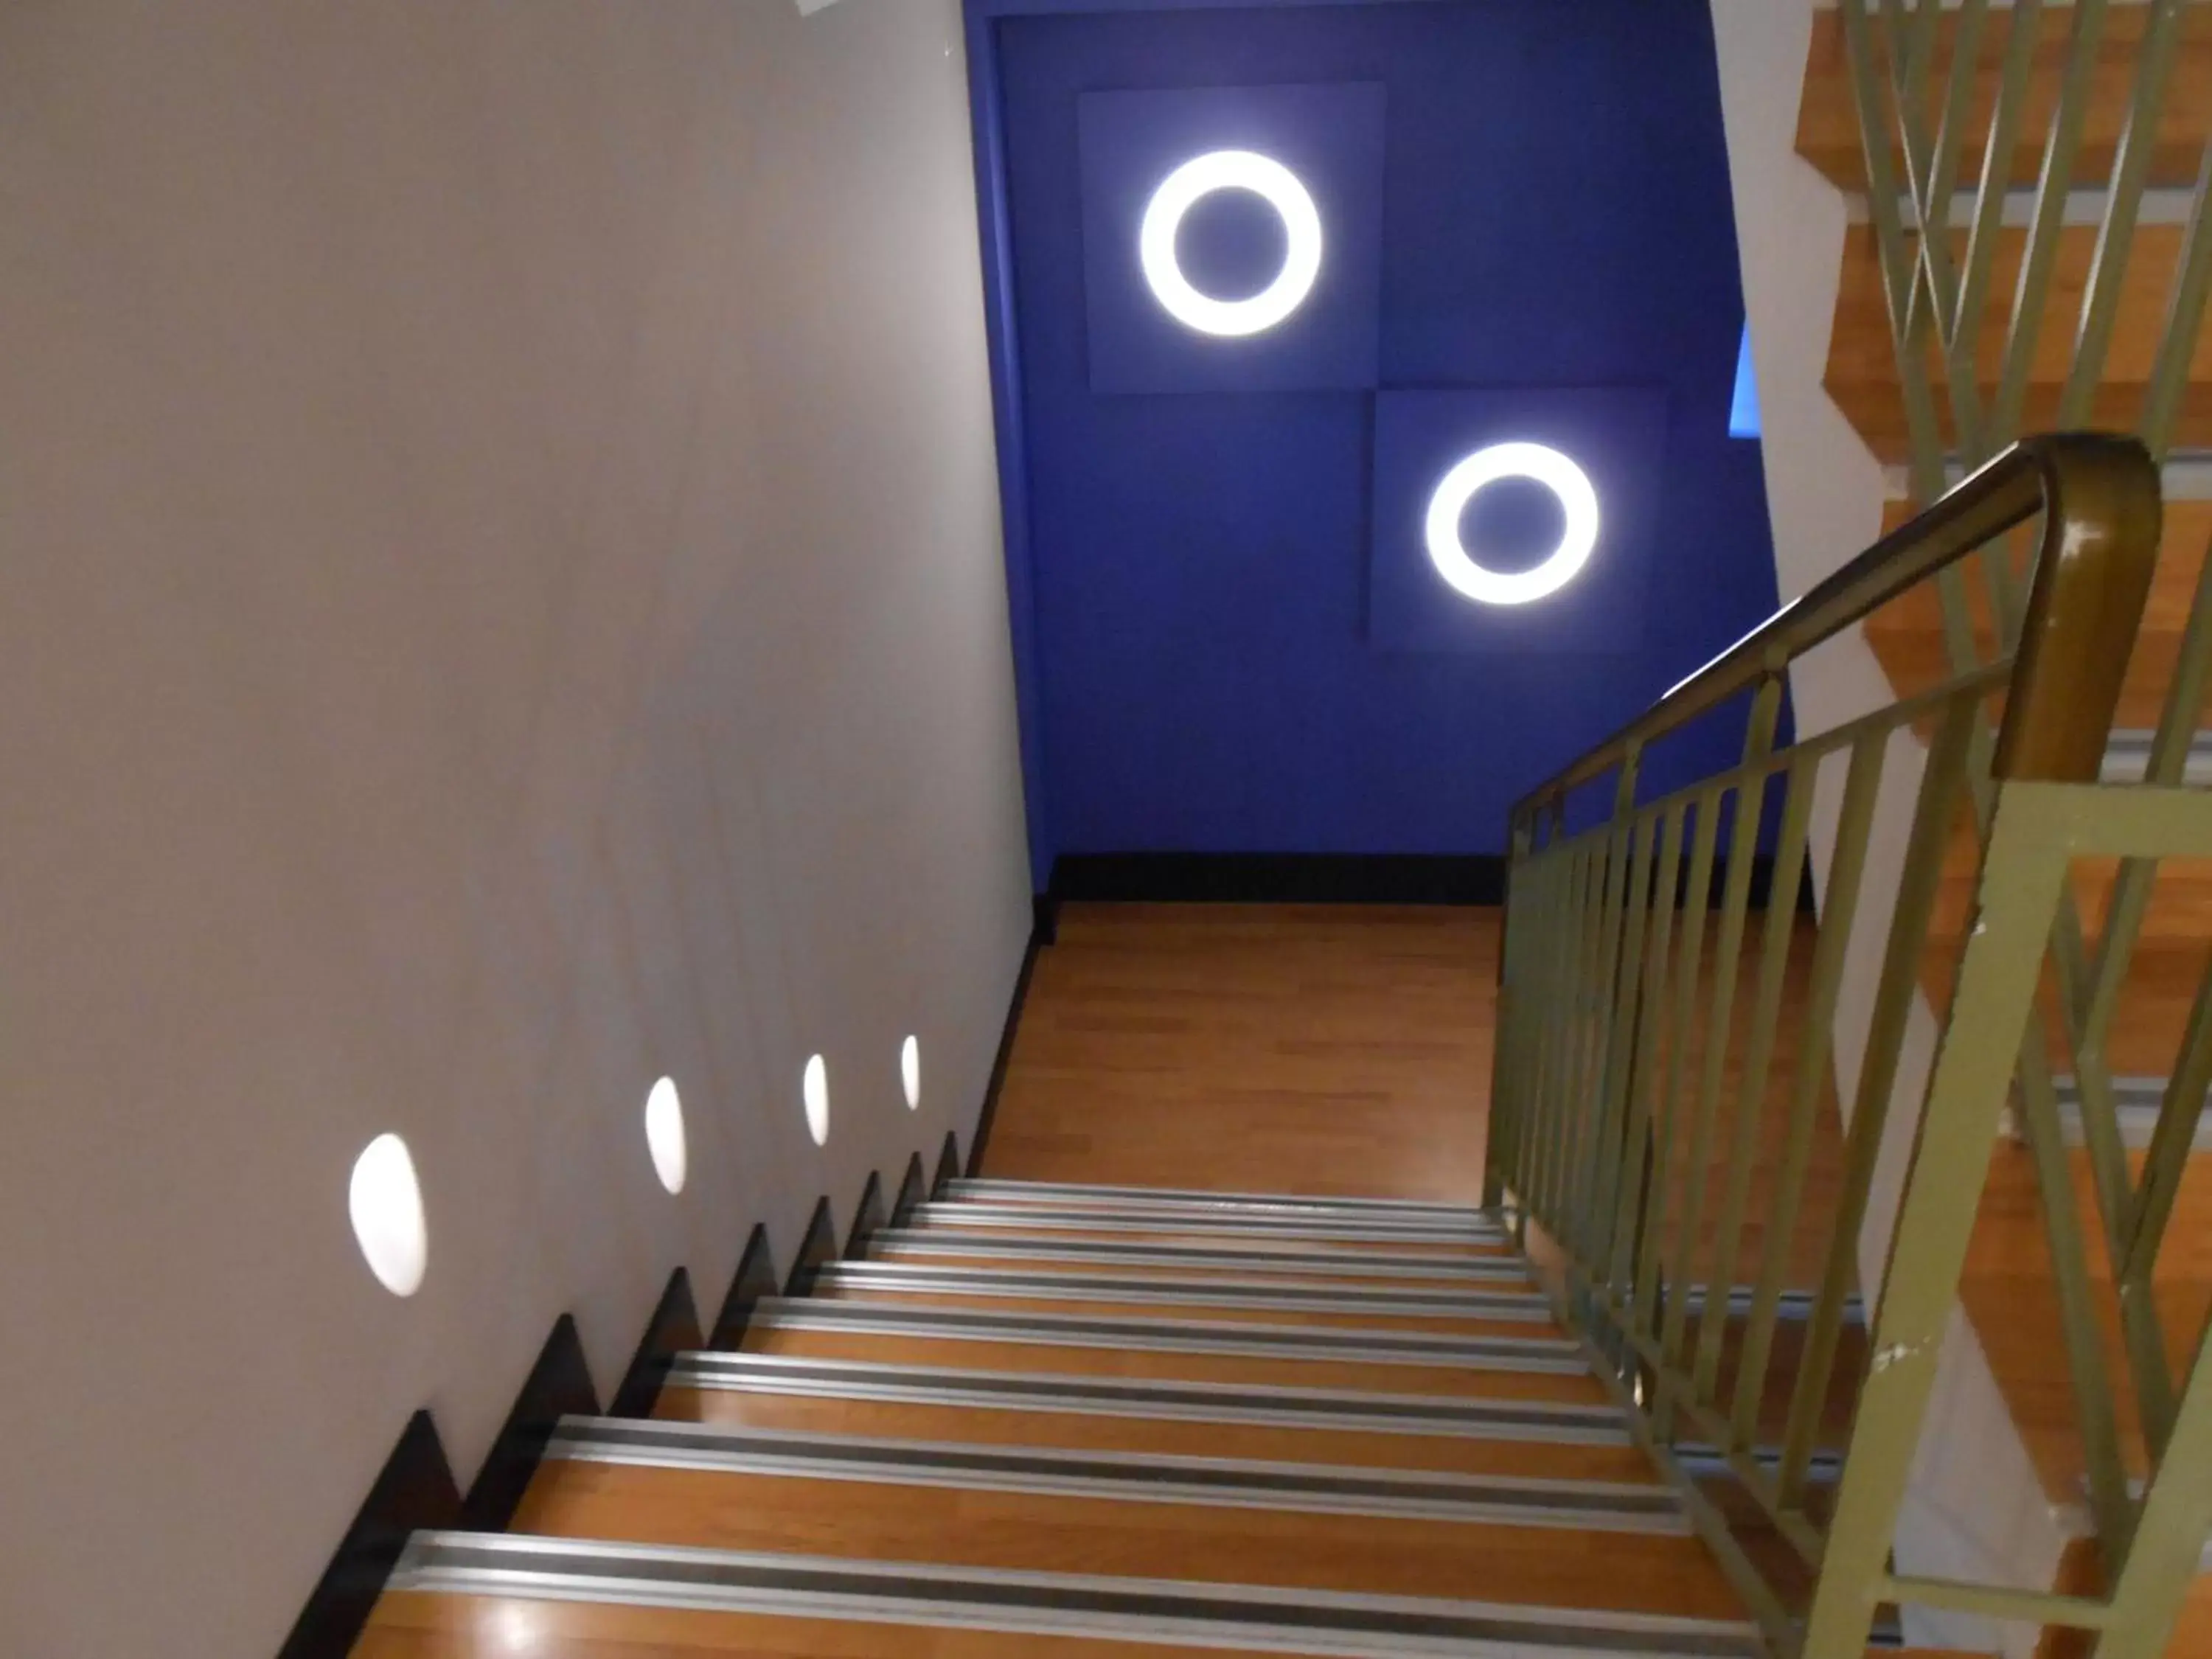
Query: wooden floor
1272, 1048
413, 1626
1126, 1537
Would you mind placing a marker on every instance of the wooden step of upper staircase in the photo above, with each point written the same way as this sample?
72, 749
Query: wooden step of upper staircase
1862, 376
1827, 116
2008, 1289
1176, 1455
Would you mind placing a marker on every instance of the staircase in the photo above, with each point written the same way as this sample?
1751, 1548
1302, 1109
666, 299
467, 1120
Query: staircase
1039, 1420
2067, 151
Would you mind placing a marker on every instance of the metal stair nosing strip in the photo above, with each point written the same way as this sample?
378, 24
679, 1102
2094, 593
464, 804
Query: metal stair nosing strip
970, 1214
1236, 1617
2138, 1102
1129, 1476
1269, 1405
1289, 1296
1348, 1344
1046, 1194
1789, 1305
2127, 760
1357, 1264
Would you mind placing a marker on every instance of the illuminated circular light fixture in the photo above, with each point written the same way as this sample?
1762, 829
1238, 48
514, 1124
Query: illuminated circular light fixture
384, 1202
910, 1072
1181, 191
664, 1133
1545, 466
814, 1094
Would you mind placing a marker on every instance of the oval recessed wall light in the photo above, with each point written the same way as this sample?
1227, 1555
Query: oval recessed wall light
1546, 466
664, 1133
385, 1201
814, 1094
910, 1070
1180, 192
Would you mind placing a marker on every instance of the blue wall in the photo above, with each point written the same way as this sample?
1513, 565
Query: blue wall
1556, 214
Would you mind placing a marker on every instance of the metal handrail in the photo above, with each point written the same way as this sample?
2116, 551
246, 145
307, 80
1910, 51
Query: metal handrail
1624, 1121
2085, 484
1598, 1120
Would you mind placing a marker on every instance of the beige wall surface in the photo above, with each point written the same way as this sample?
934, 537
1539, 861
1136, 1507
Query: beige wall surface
502, 600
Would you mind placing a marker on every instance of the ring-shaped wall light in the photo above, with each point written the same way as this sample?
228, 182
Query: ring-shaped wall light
1181, 191
1546, 466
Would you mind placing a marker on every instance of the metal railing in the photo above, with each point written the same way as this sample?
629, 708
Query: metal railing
1663, 1094
1940, 299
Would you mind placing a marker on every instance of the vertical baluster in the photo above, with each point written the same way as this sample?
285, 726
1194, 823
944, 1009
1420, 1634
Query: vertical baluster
1589, 1039
1546, 873
1735, 900
2077, 89
1622, 1143
1941, 786
1693, 901
2101, 297
1615, 970
2025, 869
2184, 317
2162, 1562
1750, 1116
1854, 823
1665, 888
1507, 1087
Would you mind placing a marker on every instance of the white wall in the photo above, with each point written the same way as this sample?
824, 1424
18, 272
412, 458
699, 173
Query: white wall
1975, 1508
504, 598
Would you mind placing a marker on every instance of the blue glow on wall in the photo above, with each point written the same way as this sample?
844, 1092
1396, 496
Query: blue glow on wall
1743, 404
1191, 574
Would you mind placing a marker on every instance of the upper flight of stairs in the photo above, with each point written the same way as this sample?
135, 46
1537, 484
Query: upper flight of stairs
2008, 1287
1054, 1420
1862, 374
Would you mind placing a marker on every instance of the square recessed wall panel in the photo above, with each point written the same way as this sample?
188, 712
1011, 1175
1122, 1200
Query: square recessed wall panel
1548, 544
1263, 272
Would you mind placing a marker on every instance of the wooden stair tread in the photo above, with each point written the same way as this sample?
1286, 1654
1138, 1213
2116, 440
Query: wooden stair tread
1116, 1537
1168, 1272
410, 1624
1862, 374
1462, 1326
1195, 1367
1269, 1244
2008, 1291
1455, 1454
1827, 119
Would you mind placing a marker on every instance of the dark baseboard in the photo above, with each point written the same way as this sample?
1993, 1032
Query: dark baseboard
559, 1385
414, 1490
1039, 938
816, 1250
948, 1165
1473, 878
754, 1279
673, 1329
1279, 878
868, 1216
913, 1189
